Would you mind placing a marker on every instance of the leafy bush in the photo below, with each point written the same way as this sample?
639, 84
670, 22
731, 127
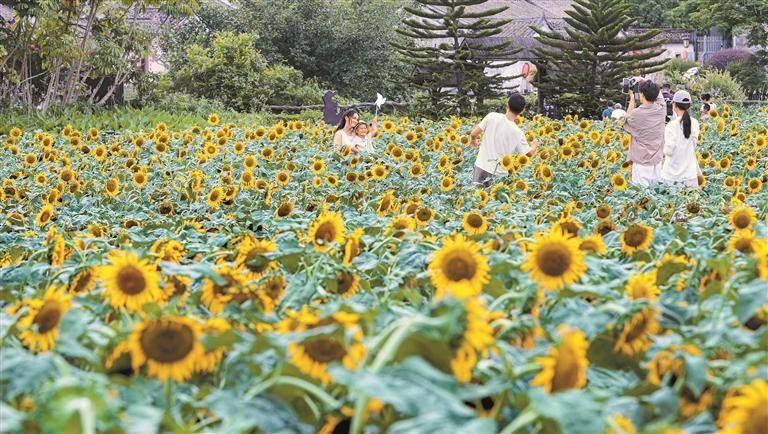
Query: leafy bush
753, 76
721, 85
722, 58
679, 65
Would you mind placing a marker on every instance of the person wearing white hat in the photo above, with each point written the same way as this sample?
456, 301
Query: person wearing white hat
680, 166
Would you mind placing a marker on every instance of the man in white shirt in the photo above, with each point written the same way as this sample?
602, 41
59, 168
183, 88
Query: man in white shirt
618, 113
501, 136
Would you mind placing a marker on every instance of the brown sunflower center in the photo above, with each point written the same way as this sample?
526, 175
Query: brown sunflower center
741, 220
284, 210
45, 216
385, 204
553, 259
635, 236
48, 316
82, 281
256, 262
459, 265
475, 220
324, 350
344, 282
570, 227
566, 371
637, 328
744, 245
757, 419
325, 233
130, 280
167, 341
423, 214
603, 212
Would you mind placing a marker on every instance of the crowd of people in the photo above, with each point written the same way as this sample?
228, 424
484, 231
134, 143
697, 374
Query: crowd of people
662, 134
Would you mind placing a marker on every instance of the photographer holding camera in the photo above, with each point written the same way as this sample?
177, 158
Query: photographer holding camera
645, 125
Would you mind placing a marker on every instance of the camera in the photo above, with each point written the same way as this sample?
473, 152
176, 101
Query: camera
631, 85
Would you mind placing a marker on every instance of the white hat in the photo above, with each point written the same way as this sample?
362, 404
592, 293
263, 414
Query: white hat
682, 96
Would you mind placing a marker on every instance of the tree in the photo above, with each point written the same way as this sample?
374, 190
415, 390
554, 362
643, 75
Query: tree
453, 71
728, 15
69, 51
342, 44
652, 13
584, 66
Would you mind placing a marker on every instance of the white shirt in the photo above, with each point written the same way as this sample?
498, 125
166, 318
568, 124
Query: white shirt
679, 163
500, 137
364, 143
618, 114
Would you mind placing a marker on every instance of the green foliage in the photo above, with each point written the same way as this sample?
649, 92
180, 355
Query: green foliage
652, 13
721, 85
583, 67
448, 47
178, 111
728, 15
752, 74
680, 65
342, 45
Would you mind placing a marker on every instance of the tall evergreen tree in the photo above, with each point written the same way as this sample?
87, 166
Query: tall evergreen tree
449, 44
583, 66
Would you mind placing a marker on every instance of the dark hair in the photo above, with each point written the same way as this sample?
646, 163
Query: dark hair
706, 96
649, 90
686, 119
360, 124
343, 121
705, 108
516, 103
610, 103
666, 86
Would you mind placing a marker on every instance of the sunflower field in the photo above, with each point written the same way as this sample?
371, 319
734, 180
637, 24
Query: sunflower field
245, 278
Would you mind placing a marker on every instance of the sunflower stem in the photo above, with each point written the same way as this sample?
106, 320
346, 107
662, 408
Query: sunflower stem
168, 395
527, 416
327, 399
498, 302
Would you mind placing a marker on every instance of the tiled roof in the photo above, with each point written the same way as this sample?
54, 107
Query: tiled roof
673, 36
6, 12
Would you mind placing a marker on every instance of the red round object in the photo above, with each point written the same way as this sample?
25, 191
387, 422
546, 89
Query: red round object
526, 70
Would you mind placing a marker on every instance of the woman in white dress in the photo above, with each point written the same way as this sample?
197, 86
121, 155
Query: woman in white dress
680, 166
345, 132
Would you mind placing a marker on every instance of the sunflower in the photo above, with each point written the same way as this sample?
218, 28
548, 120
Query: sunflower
379, 172
312, 355
207, 361
345, 284
128, 281
45, 215
83, 281
622, 423
317, 167
424, 215
59, 251
39, 328
400, 225
594, 136
545, 172
169, 346
521, 186
215, 197
386, 203
325, 230
459, 268
565, 366
507, 162
112, 187
250, 254
271, 291
416, 170
352, 246
41, 179
745, 409
282, 177
744, 241
603, 211
284, 209
215, 296
213, 119
446, 184
635, 336
583, 124
554, 259
636, 238
474, 223
476, 338
643, 286
592, 244
741, 217
569, 225
618, 182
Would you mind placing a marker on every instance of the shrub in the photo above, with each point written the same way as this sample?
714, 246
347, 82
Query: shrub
753, 76
679, 65
722, 58
721, 85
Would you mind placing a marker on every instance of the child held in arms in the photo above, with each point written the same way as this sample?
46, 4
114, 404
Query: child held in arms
501, 136
364, 136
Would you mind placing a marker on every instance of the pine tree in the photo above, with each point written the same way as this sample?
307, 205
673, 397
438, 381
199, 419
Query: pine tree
583, 67
453, 71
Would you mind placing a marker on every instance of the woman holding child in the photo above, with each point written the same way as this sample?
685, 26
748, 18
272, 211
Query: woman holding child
353, 133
